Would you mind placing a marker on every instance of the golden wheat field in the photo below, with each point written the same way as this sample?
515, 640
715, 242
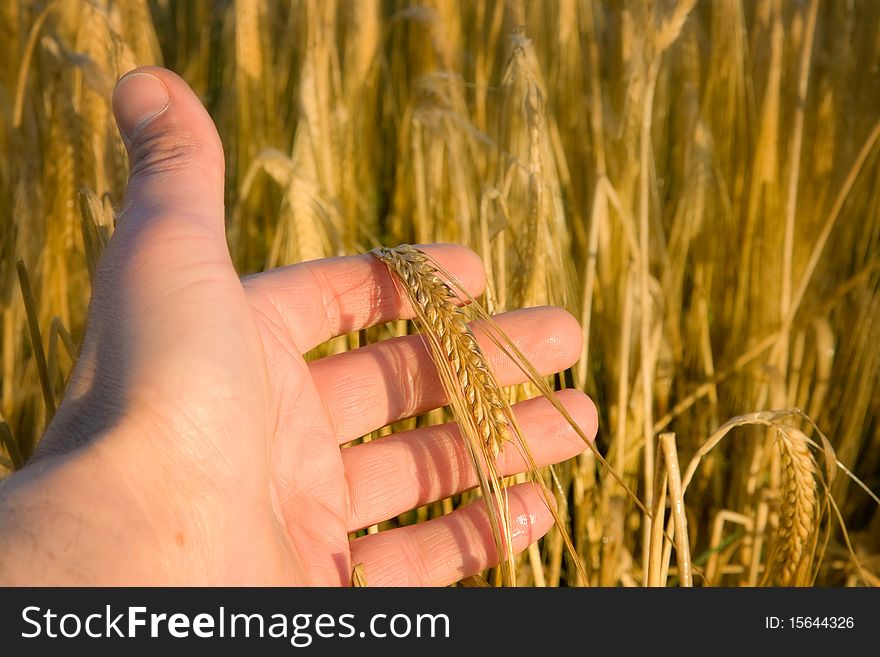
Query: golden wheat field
697, 181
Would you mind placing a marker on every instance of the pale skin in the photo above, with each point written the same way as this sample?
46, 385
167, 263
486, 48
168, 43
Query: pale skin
195, 445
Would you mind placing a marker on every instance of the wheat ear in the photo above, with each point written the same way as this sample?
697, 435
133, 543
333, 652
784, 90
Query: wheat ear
473, 392
797, 517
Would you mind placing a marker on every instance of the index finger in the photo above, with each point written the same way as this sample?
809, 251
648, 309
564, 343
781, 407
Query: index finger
321, 299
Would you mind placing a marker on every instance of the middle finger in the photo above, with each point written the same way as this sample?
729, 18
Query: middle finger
368, 388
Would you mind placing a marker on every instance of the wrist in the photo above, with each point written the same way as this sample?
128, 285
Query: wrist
81, 518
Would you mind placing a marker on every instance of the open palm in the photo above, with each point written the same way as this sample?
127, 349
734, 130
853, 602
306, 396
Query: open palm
193, 391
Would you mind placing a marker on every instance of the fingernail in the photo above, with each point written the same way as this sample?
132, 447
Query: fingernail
137, 100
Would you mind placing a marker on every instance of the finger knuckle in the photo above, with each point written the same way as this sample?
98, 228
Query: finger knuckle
160, 154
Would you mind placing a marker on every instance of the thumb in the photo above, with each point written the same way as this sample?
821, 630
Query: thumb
168, 312
176, 160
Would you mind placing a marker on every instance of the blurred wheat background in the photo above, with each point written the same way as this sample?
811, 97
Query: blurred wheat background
696, 181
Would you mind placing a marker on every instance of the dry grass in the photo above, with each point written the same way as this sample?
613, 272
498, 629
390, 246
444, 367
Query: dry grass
696, 181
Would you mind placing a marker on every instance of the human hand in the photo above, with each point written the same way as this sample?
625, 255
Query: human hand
195, 445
